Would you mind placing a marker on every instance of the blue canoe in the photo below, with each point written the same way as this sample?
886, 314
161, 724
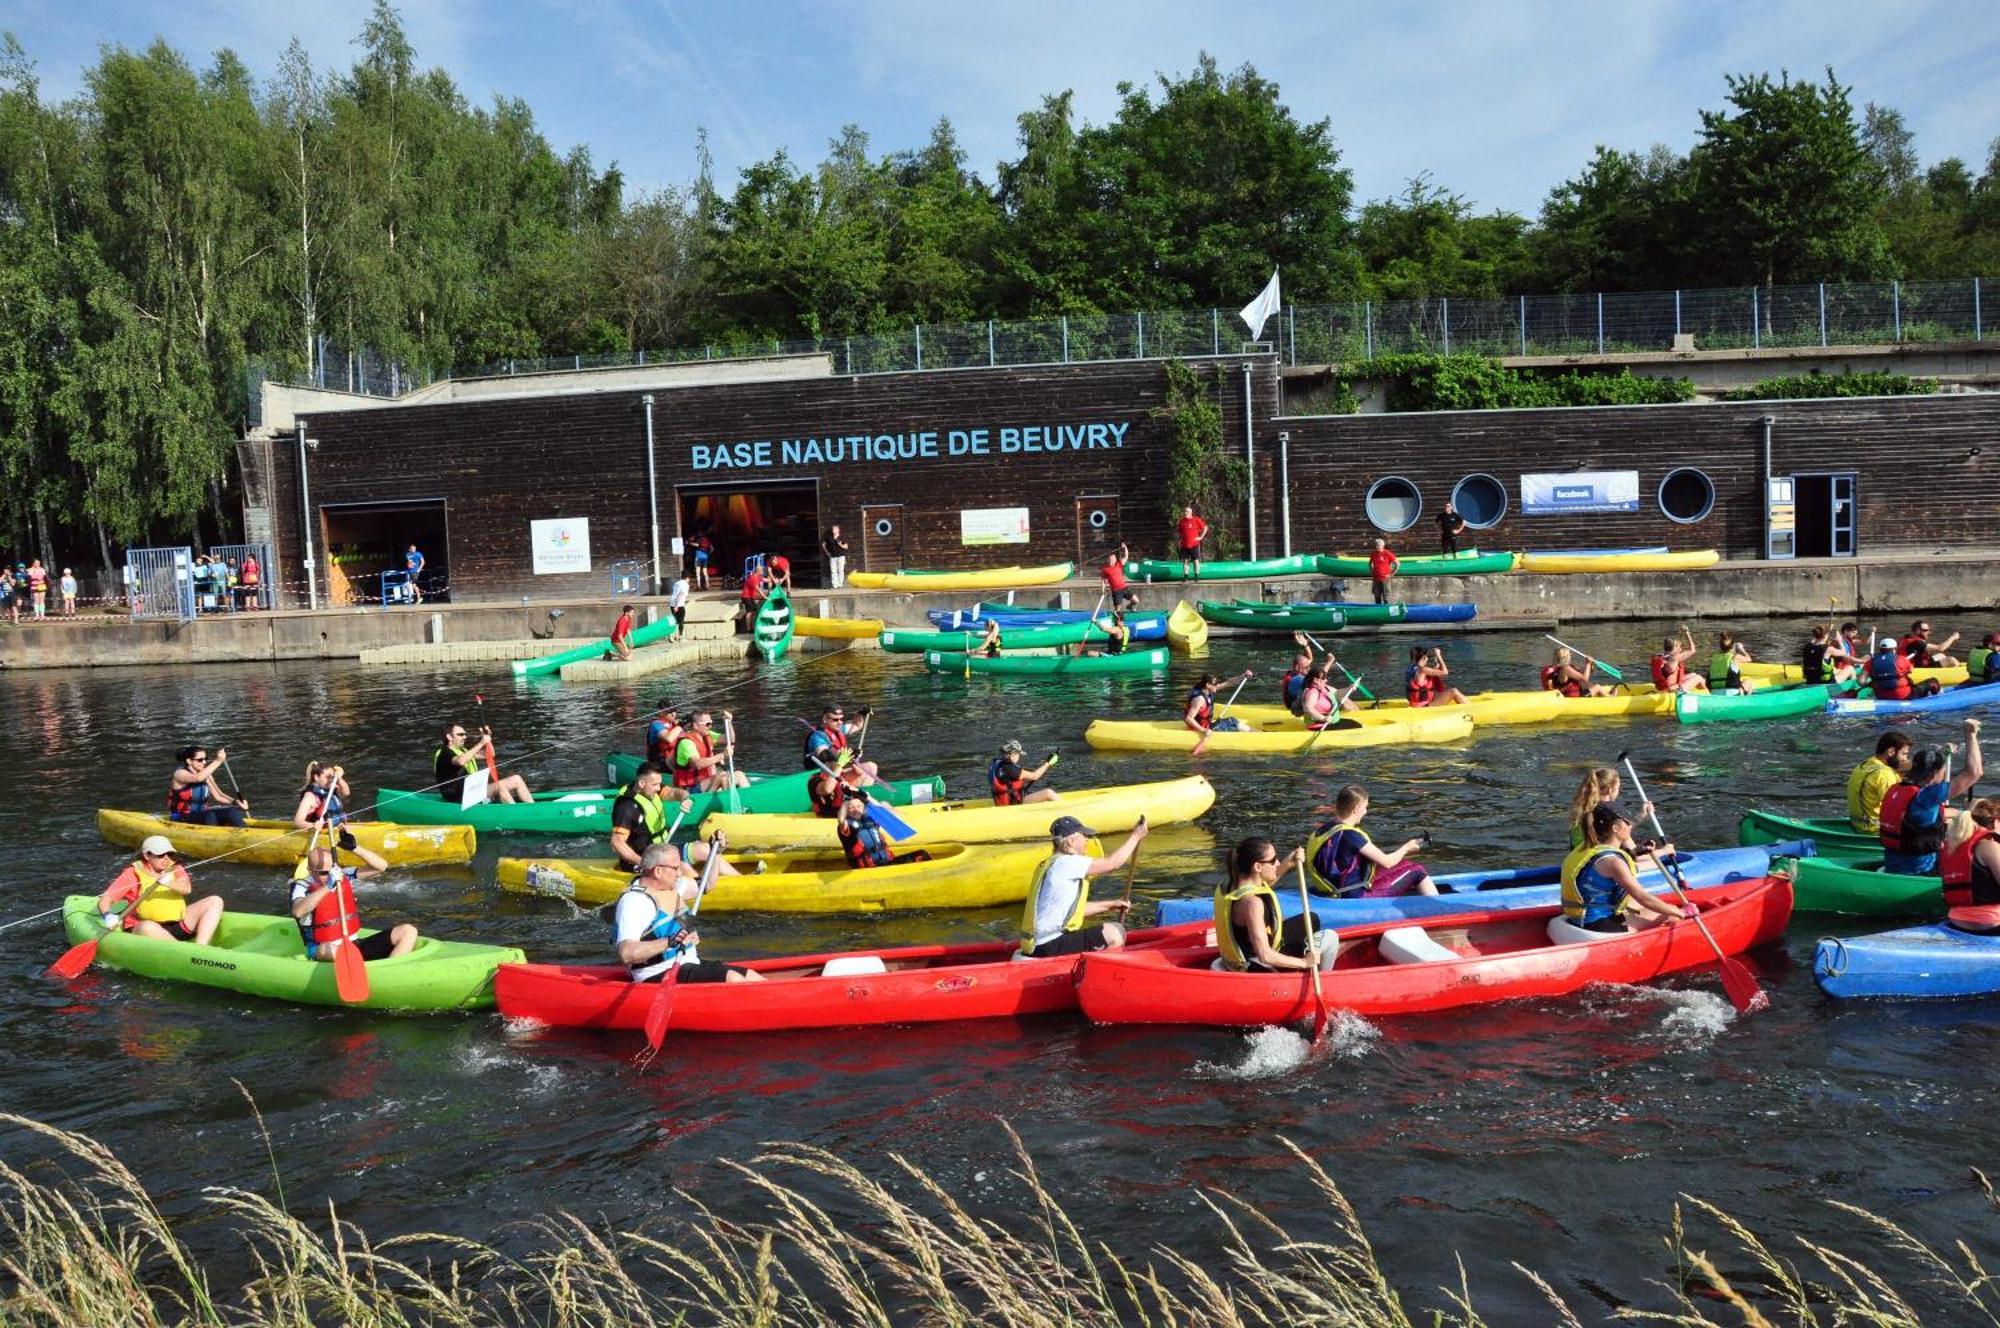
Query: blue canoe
1143, 626
1500, 890
1412, 613
1934, 961
1951, 698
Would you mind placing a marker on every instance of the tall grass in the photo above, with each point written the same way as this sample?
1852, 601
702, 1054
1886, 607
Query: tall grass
89, 1247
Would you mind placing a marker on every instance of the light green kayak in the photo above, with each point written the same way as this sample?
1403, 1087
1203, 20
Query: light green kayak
643, 636
260, 955
771, 630
1806, 698
1132, 661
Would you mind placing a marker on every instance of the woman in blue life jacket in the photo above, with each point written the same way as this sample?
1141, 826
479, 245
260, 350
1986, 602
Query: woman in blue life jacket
193, 796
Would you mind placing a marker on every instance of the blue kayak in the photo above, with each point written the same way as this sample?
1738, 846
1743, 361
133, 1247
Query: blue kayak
1934, 961
1412, 613
1500, 890
1951, 698
1143, 626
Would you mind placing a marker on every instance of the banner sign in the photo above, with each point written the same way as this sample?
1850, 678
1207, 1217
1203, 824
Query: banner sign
993, 525
1580, 491
1051, 440
560, 545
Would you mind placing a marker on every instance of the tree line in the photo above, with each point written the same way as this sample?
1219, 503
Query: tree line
173, 228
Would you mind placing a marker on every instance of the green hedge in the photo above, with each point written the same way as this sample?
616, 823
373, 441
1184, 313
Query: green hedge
1420, 382
1817, 384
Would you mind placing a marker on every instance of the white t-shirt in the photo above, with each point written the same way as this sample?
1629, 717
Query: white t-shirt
632, 921
677, 597
1069, 874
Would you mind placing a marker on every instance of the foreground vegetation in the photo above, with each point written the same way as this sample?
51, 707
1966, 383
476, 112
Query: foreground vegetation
95, 1250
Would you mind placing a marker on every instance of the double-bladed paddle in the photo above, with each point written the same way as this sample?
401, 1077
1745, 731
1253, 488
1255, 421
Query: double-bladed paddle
878, 810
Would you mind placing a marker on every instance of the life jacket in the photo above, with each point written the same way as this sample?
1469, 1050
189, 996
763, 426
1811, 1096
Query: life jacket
1723, 671
1667, 673
825, 801
863, 842
1588, 895
1900, 834
329, 806
1957, 866
185, 801
1886, 680
1813, 660
1420, 687
458, 753
1292, 688
660, 739
1204, 708
1232, 943
159, 906
1073, 922
1335, 861
1006, 792
1551, 681
664, 926
1918, 649
689, 775
1116, 639
654, 809
335, 918
825, 746
1983, 664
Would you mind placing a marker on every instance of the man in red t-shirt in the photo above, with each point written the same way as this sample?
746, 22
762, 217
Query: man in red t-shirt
621, 634
1120, 591
1192, 531
751, 599
1381, 566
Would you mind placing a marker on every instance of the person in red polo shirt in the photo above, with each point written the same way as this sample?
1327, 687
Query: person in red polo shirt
1382, 565
1192, 531
621, 634
1120, 591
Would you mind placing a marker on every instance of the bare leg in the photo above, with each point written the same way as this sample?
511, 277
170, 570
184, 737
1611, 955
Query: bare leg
402, 940
204, 916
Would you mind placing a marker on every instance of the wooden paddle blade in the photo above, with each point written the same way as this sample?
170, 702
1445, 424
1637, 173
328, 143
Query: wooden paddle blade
75, 959
1742, 988
350, 974
662, 1009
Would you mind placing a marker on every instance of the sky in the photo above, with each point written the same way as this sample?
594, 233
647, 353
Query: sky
1498, 101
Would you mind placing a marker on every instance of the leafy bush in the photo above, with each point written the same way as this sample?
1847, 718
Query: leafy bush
1424, 382
1817, 384
1202, 472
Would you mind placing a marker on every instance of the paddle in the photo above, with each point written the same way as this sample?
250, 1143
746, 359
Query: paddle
1319, 992
1366, 695
878, 811
79, 956
1332, 719
1611, 669
1741, 987
731, 796
662, 1008
235, 788
1202, 745
1132, 868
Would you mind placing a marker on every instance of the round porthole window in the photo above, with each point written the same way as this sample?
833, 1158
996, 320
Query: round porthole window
1481, 500
1686, 496
1393, 503
884, 527
1099, 520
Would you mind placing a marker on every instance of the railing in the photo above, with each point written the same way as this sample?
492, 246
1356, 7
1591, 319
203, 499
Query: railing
159, 583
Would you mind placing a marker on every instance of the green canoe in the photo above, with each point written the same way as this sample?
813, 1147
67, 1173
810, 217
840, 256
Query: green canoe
644, 636
1806, 698
1284, 618
259, 955
1825, 885
1357, 615
1239, 569
588, 811
1132, 661
1466, 563
1835, 837
771, 630
910, 641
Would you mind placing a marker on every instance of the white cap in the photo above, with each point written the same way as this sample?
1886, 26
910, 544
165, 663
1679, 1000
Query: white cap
156, 846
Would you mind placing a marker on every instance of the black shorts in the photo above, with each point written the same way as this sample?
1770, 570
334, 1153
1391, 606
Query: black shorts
375, 947
706, 970
179, 930
1190, 553
1081, 941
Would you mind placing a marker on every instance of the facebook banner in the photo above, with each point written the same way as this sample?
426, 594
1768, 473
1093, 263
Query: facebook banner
1580, 491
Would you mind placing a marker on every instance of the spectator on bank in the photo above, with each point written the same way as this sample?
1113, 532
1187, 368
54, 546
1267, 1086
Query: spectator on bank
1191, 531
413, 569
677, 603
233, 600
69, 592
38, 589
704, 551
1450, 526
834, 547
621, 634
248, 582
10, 599
1381, 566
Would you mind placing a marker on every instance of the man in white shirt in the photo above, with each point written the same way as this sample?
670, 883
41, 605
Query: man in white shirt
1059, 902
677, 603
647, 931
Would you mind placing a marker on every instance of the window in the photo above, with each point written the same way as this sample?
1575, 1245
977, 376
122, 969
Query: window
1686, 496
1393, 503
1481, 500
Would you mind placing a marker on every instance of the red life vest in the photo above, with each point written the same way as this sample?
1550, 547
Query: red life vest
1889, 675
864, 845
826, 795
826, 745
1550, 683
1667, 673
335, 917
1006, 792
1900, 835
1956, 868
660, 743
1422, 687
184, 800
247, 577
1204, 710
687, 776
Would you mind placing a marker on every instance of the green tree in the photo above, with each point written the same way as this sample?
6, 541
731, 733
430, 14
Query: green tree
1427, 242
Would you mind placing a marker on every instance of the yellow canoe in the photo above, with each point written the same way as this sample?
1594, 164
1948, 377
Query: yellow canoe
1105, 810
955, 876
1490, 709
991, 578
838, 629
1291, 737
277, 844
1187, 630
1687, 561
1758, 671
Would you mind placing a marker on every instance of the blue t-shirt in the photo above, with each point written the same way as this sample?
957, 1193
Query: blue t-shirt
413, 562
1925, 810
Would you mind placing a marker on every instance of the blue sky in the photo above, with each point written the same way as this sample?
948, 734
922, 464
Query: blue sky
1498, 101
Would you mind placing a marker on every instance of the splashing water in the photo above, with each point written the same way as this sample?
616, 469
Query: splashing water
1272, 1052
1694, 1018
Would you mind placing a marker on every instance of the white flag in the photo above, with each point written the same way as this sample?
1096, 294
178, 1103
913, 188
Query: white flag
1258, 311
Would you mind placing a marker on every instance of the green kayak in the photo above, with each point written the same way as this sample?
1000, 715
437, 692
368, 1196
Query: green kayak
1468, 562
644, 636
1829, 885
1835, 837
1132, 661
1284, 618
911, 641
259, 955
771, 630
1357, 615
1239, 569
1806, 698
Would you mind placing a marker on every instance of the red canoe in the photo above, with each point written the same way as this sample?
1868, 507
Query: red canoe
919, 984
1401, 968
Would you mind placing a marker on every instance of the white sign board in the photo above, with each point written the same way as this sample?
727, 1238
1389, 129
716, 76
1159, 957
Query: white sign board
1580, 491
475, 787
993, 525
560, 545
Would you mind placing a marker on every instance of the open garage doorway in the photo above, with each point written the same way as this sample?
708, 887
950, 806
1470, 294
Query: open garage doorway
364, 541
745, 519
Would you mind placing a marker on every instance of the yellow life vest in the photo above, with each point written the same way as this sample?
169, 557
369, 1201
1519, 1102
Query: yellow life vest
1071, 923
1587, 894
163, 905
1225, 932
1320, 884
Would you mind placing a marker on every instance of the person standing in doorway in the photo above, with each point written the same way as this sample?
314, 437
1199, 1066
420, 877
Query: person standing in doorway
1382, 565
413, 568
677, 603
1191, 530
704, 549
1450, 526
834, 547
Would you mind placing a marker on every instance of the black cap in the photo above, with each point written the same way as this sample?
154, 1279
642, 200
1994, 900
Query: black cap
1607, 814
1064, 826
664, 704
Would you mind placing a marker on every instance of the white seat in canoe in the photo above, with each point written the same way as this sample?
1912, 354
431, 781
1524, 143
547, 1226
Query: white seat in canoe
1412, 945
853, 966
1564, 932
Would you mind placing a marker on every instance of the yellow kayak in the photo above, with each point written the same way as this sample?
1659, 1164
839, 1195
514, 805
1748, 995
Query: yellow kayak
1271, 737
1757, 671
1187, 630
1687, 561
955, 876
1490, 709
277, 844
991, 578
1105, 810
838, 629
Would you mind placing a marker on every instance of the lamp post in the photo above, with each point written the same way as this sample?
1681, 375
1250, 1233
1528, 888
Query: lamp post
305, 516
652, 490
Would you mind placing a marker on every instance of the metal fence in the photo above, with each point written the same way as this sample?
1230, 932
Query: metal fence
1606, 323
628, 578
235, 597
159, 583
